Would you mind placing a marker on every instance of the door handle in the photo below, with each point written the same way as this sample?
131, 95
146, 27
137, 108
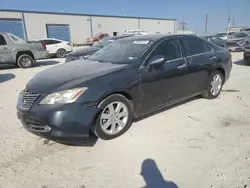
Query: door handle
180, 67
213, 58
5, 48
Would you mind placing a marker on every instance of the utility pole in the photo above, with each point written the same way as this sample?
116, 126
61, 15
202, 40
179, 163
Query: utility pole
229, 16
206, 25
183, 25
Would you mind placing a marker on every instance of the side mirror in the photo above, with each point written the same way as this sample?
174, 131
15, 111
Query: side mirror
157, 60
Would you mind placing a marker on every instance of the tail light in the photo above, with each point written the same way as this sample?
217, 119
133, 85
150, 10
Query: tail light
68, 44
43, 45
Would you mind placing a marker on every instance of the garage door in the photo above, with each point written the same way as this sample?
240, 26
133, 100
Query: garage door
12, 26
61, 32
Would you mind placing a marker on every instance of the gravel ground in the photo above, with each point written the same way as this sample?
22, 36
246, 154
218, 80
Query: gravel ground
198, 144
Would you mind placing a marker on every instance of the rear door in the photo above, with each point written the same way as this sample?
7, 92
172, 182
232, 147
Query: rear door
5, 51
200, 58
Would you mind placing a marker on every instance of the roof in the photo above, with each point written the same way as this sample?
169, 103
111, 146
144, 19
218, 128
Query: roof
80, 14
153, 37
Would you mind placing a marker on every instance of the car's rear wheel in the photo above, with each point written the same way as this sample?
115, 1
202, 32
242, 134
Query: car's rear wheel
215, 85
114, 119
61, 53
25, 61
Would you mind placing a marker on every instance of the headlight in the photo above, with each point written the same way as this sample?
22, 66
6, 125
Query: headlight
62, 97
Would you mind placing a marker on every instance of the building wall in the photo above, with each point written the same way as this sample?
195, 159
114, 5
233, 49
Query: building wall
36, 25
10, 15
110, 24
80, 25
162, 26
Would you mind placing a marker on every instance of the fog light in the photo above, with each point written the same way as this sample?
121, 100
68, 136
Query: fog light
47, 128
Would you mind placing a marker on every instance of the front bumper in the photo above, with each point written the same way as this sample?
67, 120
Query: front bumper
65, 123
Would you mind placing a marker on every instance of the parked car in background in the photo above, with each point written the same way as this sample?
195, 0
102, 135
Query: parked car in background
135, 32
125, 80
225, 35
236, 41
14, 50
216, 40
56, 47
246, 54
83, 53
97, 37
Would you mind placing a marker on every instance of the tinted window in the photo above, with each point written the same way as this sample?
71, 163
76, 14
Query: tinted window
239, 35
2, 40
221, 34
49, 42
208, 47
169, 48
193, 45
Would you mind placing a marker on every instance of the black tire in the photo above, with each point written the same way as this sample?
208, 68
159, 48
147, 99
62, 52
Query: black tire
97, 129
61, 53
207, 94
25, 61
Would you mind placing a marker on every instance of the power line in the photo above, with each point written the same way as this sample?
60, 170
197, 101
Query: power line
183, 25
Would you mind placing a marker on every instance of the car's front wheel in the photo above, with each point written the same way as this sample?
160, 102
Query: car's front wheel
215, 85
114, 119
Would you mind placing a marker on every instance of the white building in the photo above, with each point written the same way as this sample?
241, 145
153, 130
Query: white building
75, 28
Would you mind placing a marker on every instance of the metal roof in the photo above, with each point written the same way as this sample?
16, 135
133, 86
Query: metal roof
79, 14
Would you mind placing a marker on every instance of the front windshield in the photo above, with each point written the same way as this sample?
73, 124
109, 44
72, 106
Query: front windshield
122, 51
101, 43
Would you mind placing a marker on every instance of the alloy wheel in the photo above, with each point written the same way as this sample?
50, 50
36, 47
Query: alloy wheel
114, 118
26, 62
216, 84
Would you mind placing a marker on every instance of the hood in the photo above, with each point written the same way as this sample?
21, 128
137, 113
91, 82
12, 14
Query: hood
82, 51
69, 75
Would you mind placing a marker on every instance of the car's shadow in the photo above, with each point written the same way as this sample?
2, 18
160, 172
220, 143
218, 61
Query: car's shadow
90, 142
242, 62
40, 63
46, 63
6, 77
166, 108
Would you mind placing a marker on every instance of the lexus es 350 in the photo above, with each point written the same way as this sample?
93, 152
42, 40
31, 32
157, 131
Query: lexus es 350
127, 79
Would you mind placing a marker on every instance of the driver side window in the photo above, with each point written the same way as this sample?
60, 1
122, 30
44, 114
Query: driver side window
170, 48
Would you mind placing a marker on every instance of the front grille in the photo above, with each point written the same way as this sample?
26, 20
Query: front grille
26, 99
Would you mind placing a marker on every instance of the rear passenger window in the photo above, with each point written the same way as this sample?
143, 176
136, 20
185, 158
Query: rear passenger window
208, 47
193, 45
2, 40
170, 48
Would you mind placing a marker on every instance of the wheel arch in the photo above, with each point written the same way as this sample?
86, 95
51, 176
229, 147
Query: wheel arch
24, 52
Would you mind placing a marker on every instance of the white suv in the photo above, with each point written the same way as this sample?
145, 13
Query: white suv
56, 47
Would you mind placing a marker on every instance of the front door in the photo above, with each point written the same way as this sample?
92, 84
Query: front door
5, 51
163, 82
200, 58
